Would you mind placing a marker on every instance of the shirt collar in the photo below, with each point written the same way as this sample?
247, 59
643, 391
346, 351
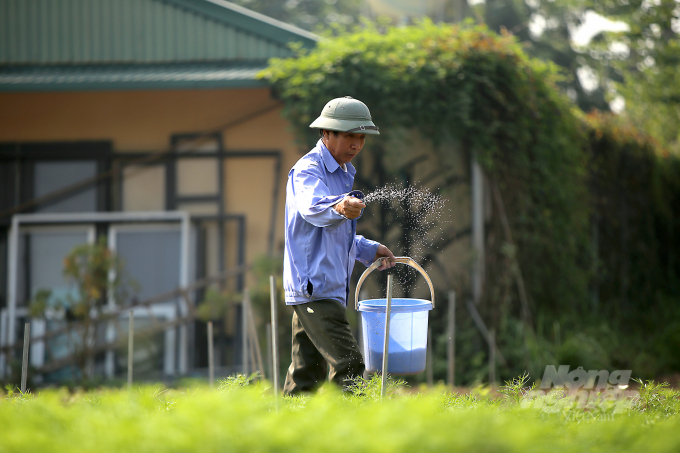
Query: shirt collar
330, 162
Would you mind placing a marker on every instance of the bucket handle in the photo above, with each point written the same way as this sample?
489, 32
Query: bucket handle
399, 259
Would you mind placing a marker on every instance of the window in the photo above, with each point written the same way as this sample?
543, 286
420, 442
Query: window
151, 256
197, 176
156, 253
144, 188
52, 176
32, 170
41, 256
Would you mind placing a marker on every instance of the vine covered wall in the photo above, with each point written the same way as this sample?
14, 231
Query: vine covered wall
470, 86
589, 201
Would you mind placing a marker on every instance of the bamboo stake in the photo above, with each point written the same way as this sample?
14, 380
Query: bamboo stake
451, 346
211, 356
386, 346
252, 360
275, 349
256, 355
484, 331
24, 363
492, 357
244, 333
523, 298
269, 351
131, 340
430, 373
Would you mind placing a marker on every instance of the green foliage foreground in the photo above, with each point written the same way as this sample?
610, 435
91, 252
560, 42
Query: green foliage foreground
242, 417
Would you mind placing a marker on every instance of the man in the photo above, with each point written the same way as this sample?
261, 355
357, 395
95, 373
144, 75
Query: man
321, 246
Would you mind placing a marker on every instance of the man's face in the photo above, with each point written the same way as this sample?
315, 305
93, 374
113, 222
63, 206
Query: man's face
343, 146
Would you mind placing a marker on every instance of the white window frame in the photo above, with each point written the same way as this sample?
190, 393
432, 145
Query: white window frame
39, 325
9, 316
167, 310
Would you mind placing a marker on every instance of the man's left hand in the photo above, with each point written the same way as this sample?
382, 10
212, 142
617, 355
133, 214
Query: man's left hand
384, 252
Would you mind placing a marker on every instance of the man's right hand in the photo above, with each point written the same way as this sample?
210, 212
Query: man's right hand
350, 207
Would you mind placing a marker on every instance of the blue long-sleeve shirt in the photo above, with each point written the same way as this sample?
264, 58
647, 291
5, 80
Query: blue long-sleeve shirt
321, 244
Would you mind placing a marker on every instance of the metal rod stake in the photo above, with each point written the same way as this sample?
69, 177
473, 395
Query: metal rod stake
24, 363
131, 346
211, 356
386, 347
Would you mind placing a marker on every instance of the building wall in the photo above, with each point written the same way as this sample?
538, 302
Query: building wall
145, 121
411, 153
133, 120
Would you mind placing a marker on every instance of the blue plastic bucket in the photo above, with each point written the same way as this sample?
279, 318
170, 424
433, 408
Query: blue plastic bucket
408, 334
407, 349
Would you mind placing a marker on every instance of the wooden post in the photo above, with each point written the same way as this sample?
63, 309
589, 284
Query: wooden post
451, 344
24, 362
492, 357
275, 348
131, 340
386, 346
211, 356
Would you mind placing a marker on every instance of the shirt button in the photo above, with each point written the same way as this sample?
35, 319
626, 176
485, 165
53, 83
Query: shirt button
346, 185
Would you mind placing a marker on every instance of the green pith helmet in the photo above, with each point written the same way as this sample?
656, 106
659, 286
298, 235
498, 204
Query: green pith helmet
346, 115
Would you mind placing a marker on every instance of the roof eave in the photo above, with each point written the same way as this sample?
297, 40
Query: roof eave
251, 21
131, 86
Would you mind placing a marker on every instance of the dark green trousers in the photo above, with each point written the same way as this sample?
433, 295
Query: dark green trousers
322, 337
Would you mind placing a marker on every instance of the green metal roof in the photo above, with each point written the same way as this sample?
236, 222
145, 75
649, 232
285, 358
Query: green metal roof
45, 42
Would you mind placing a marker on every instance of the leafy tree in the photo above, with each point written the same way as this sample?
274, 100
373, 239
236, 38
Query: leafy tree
551, 39
644, 63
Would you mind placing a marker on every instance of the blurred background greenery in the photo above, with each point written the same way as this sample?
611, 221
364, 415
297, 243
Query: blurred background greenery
579, 136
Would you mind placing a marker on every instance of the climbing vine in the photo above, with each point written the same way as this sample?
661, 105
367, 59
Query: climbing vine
468, 85
589, 201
